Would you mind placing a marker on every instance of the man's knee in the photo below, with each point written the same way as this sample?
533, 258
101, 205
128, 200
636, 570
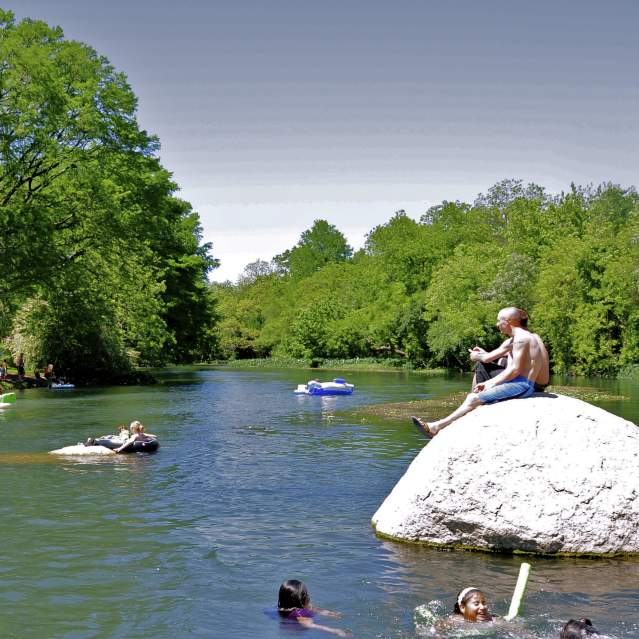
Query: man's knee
472, 399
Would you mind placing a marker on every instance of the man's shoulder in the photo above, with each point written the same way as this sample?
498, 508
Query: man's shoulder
522, 336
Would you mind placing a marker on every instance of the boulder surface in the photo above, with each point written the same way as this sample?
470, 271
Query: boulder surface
548, 474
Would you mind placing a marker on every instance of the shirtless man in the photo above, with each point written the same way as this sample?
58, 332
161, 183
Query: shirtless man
527, 364
492, 363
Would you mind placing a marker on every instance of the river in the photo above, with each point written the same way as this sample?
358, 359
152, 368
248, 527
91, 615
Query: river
252, 485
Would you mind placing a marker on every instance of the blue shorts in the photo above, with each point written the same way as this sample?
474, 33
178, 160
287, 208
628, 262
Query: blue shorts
516, 388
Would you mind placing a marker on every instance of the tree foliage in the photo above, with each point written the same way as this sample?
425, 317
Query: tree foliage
103, 266
429, 290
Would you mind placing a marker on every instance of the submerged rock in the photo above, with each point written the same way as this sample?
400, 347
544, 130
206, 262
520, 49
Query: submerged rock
548, 474
81, 449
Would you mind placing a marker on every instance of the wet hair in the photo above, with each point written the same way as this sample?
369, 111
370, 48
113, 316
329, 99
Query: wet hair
578, 629
293, 594
463, 596
523, 317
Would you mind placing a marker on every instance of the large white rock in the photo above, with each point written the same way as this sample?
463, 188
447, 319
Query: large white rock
81, 449
548, 474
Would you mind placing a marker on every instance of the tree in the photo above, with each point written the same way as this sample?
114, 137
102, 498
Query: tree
318, 246
91, 236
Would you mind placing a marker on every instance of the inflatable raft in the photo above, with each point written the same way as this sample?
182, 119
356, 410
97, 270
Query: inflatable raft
7, 400
337, 387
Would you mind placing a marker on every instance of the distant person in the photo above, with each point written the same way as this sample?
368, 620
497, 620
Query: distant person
578, 629
528, 363
20, 367
49, 373
110, 441
294, 603
137, 435
3, 370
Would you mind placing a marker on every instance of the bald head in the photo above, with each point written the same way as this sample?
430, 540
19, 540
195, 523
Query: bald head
515, 316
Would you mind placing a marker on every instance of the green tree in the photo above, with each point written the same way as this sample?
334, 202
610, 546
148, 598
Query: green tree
322, 244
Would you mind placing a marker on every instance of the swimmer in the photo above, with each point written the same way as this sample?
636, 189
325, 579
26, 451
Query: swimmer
294, 602
110, 440
137, 435
578, 629
471, 605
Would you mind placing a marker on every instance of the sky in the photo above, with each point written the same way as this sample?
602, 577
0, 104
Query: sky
275, 113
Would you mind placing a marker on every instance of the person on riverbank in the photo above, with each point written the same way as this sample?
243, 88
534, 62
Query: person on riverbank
49, 374
578, 629
20, 367
4, 367
294, 603
527, 364
137, 435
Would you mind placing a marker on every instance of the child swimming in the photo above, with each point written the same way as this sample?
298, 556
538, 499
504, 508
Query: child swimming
472, 605
578, 629
294, 602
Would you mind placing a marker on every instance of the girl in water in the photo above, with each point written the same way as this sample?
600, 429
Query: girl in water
294, 602
472, 605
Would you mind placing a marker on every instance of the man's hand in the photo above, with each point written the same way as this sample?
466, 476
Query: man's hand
476, 353
483, 386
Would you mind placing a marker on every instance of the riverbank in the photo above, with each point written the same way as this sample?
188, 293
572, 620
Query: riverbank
135, 378
364, 364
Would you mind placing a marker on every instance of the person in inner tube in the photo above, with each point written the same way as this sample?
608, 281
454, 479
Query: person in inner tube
137, 435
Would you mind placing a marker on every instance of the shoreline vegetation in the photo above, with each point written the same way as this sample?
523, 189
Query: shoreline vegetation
107, 272
368, 364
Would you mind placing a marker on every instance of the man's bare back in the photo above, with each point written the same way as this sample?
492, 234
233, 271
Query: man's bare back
536, 363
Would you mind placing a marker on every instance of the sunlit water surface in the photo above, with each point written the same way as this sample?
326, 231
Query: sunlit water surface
252, 485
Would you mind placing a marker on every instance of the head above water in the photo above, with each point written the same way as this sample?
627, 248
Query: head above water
136, 427
472, 605
578, 629
293, 594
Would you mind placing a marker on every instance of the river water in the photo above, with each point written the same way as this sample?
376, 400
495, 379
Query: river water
252, 485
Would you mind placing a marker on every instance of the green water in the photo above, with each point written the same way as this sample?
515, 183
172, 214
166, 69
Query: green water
252, 485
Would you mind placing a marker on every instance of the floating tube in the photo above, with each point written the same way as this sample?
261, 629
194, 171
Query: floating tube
7, 400
337, 387
61, 385
520, 589
107, 448
149, 446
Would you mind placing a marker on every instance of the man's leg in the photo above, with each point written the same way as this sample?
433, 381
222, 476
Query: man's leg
432, 428
486, 371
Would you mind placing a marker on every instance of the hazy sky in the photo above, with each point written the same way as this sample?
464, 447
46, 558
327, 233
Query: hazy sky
273, 113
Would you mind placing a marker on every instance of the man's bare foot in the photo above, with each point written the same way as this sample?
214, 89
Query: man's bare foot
424, 427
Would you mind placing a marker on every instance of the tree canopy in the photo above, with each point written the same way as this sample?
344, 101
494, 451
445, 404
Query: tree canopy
103, 265
426, 291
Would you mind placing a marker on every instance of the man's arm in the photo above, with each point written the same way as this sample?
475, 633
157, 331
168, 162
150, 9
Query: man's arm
516, 365
480, 355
